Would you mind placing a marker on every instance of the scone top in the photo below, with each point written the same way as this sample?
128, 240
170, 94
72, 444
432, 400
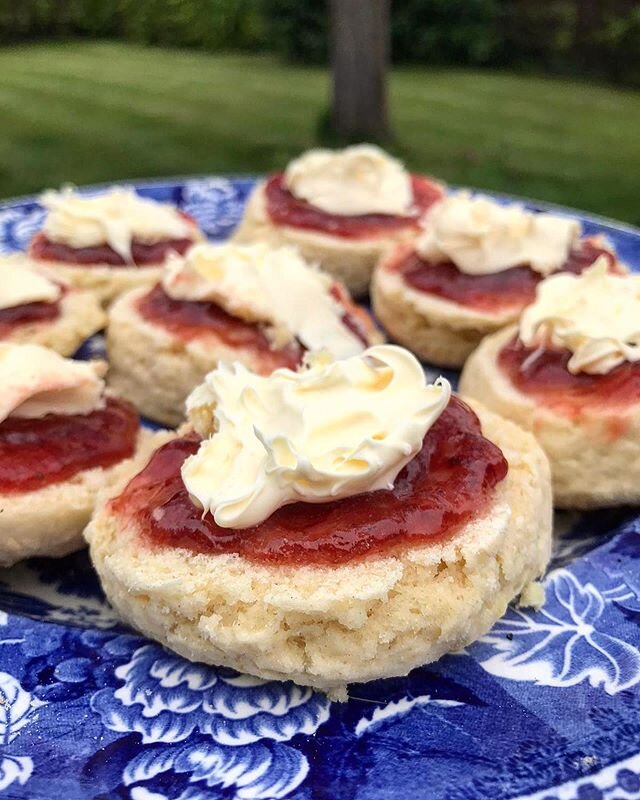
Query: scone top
21, 283
595, 315
481, 236
361, 179
116, 218
272, 286
37, 381
332, 430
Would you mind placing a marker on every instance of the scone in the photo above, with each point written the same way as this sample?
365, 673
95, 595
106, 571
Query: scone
321, 536
472, 271
256, 304
342, 209
109, 242
61, 441
570, 374
37, 310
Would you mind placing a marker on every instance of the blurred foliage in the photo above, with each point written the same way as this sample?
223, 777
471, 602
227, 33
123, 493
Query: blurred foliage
598, 38
204, 24
298, 29
617, 42
445, 31
591, 37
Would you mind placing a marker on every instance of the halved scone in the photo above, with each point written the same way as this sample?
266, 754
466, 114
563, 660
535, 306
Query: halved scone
570, 373
594, 452
328, 593
223, 303
35, 309
109, 242
341, 209
473, 269
61, 441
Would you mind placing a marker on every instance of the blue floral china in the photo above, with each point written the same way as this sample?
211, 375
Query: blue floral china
546, 706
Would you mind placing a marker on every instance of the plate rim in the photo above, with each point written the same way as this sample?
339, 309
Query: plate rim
545, 205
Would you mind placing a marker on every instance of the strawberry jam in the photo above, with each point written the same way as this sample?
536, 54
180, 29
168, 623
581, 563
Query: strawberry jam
35, 453
449, 482
286, 209
27, 314
190, 320
142, 255
543, 374
511, 288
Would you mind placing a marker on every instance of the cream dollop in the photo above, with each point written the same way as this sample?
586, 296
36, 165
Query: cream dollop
259, 283
115, 217
332, 430
20, 285
37, 381
595, 315
361, 179
482, 237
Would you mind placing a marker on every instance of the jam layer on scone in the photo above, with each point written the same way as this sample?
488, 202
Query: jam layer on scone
284, 208
449, 482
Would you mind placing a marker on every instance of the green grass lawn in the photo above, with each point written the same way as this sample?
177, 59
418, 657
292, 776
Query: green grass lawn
87, 112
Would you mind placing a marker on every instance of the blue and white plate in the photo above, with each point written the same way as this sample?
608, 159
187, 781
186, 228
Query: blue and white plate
547, 705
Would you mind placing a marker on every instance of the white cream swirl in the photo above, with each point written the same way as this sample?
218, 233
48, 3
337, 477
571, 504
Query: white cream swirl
361, 179
333, 430
482, 237
595, 315
37, 381
20, 285
116, 218
259, 283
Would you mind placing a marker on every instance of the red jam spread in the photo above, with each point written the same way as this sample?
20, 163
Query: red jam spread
35, 453
510, 288
543, 374
449, 482
286, 209
27, 314
142, 255
192, 319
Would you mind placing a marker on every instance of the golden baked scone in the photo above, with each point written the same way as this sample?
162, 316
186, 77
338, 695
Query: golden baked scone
351, 261
155, 361
34, 309
435, 329
471, 271
81, 315
570, 373
155, 369
110, 242
50, 521
346, 209
594, 455
103, 281
61, 440
326, 625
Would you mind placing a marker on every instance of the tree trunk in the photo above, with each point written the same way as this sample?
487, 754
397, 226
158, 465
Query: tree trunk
360, 33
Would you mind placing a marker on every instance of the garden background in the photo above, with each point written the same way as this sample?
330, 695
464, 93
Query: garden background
528, 97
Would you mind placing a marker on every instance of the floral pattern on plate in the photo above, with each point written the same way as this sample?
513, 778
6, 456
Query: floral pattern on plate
545, 707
